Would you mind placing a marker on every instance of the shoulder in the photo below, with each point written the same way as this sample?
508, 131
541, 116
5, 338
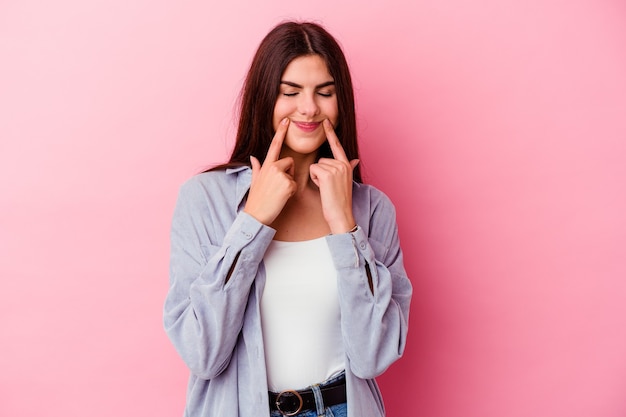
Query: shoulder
370, 196
374, 211
217, 190
215, 182
207, 181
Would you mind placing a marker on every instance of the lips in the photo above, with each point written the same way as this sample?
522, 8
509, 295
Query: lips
307, 126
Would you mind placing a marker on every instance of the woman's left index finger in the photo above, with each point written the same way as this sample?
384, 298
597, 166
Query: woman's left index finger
333, 141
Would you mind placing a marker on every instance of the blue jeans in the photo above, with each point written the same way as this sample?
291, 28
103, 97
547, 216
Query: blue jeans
338, 410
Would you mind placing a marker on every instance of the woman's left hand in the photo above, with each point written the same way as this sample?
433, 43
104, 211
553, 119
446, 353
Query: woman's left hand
333, 176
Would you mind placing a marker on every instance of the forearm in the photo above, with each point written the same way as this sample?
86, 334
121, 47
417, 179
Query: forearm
374, 299
206, 303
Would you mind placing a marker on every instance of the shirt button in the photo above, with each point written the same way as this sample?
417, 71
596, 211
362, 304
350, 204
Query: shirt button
248, 235
362, 245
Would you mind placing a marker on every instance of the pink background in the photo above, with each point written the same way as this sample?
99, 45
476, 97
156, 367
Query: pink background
497, 127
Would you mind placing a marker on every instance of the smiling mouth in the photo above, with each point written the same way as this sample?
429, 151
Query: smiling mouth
307, 126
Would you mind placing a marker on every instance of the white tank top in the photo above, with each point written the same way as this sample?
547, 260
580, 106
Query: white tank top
300, 315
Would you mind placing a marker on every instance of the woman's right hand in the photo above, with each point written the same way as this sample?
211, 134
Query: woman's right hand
272, 183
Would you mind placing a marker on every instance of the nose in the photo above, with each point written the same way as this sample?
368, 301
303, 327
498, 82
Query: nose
307, 105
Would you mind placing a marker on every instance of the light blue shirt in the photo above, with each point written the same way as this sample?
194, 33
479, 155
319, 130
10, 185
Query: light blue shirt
215, 323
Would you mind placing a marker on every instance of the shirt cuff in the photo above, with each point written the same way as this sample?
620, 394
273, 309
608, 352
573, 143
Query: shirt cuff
345, 248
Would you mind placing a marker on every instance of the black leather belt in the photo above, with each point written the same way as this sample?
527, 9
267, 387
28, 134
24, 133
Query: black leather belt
290, 402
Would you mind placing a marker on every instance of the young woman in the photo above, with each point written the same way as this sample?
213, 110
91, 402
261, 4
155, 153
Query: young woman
288, 292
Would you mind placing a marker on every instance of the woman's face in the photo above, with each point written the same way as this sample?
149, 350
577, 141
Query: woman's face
307, 97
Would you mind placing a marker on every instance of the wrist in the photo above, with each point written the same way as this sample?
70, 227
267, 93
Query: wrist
350, 227
259, 218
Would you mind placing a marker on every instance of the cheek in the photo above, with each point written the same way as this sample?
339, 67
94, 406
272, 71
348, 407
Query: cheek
333, 113
278, 115
281, 109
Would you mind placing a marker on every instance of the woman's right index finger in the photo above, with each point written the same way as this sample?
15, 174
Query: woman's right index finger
273, 153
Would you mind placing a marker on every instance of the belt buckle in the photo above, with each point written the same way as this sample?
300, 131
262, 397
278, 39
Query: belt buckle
289, 394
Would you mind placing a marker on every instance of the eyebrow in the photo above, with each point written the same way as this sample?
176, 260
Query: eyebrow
291, 84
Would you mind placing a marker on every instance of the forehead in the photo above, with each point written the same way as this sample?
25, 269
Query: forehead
311, 68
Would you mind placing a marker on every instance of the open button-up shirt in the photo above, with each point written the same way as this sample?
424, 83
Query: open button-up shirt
214, 322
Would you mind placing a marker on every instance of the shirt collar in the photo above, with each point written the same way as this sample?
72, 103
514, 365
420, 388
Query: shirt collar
244, 178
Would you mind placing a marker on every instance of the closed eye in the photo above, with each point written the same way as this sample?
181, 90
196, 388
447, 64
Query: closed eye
324, 87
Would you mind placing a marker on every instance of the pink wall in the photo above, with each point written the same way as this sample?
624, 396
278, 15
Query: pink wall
497, 127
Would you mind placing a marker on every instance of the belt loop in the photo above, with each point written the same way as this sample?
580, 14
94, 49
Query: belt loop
319, 401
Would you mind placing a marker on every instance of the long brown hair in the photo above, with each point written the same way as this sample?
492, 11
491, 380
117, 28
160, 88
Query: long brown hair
284, 43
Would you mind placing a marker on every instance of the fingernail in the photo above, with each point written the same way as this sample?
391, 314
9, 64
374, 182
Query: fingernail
284, 121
